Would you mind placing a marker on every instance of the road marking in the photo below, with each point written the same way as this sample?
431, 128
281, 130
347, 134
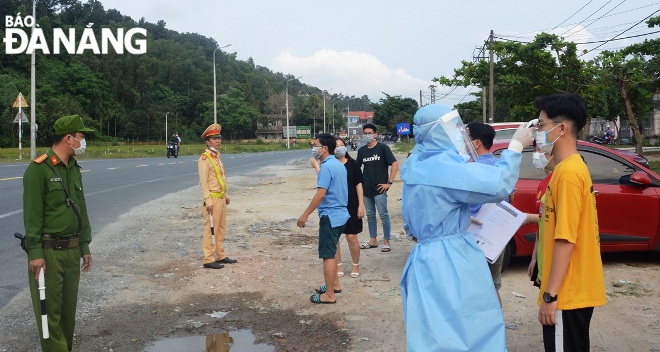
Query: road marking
85, 170
112, 168
10, 178
141, 165
10, 214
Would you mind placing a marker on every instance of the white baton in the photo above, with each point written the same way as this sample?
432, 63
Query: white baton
42, 298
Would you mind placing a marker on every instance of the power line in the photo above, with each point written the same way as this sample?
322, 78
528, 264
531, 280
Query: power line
571, 16
594, 21
592, 42
577, 24
614, 38
614, 14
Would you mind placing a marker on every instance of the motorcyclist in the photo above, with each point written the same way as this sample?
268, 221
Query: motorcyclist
609, 135
176, 140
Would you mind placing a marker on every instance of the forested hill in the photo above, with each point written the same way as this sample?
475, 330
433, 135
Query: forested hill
128, 96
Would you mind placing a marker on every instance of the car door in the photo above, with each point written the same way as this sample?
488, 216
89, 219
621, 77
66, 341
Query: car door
627, 213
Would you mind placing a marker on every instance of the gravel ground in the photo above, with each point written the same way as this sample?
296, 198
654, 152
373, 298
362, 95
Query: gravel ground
148, 284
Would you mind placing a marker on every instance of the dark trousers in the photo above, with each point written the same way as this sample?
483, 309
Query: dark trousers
571, 331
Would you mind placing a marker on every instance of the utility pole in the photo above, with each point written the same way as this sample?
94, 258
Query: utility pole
420, 98
492, 79
33, 93
432, 87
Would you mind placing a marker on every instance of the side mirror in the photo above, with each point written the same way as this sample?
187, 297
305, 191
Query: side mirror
640, 178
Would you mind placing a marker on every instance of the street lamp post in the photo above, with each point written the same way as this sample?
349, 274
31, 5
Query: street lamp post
348, 119
166, 135
324, 127
215, 107
288, 146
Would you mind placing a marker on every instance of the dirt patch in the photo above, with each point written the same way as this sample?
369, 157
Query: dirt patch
148, 283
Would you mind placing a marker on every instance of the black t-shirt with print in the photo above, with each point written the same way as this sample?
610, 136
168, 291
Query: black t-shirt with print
376, 162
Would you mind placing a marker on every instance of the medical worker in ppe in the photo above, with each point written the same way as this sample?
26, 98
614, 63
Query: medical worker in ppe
449, 301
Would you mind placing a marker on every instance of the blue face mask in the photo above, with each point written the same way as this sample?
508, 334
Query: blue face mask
315, 153
542, 143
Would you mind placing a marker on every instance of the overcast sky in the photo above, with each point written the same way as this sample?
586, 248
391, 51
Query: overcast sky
365, 47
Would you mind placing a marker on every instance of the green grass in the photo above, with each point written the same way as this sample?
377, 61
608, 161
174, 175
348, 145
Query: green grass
152, 150
655, 166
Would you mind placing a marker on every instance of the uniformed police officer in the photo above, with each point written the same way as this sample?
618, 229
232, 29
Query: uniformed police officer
57, 230
213, 182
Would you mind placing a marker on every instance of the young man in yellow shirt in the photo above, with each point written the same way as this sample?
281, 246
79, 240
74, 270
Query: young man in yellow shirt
570, 266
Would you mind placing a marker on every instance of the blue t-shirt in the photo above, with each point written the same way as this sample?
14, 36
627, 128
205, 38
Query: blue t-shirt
487, 159
332, 177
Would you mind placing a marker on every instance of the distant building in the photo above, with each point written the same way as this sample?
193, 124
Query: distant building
356, 119
274, 128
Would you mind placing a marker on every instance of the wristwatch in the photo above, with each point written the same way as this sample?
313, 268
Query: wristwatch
389, 182
547, 298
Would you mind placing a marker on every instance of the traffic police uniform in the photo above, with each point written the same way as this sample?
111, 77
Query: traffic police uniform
52, 234
213, 183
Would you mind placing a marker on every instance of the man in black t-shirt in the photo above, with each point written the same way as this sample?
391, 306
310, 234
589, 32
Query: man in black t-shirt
376, 158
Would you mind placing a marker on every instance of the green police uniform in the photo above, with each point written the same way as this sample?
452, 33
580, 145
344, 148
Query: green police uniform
47, 216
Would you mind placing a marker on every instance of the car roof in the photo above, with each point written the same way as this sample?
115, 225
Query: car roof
626, 155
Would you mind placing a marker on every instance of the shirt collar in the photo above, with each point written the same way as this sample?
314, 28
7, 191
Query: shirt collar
327, 158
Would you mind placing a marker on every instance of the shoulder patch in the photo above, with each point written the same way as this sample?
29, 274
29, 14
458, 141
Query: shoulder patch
40, 158
203, 157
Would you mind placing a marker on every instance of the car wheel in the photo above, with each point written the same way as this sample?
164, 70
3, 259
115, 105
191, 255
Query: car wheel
508, 252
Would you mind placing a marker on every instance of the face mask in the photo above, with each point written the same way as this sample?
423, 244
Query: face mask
81, 149
369, 137
315, 153
540, 161
340, 152
542, 143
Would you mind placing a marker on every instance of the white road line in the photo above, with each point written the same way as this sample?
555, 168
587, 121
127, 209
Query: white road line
11, 213
112, 168
141, 165
11, 178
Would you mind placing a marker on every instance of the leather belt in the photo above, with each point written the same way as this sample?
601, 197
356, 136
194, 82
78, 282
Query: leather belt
57, 242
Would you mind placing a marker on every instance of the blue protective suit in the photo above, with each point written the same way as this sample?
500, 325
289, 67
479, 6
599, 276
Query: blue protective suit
449, 300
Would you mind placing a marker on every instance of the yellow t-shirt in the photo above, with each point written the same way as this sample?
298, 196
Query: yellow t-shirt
569, 213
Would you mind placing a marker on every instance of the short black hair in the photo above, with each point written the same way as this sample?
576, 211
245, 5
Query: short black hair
564, 106
327, 140
369, 125
482, 132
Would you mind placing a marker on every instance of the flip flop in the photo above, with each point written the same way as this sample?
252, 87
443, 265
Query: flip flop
323, 289
386, 248
366, 245
317, 299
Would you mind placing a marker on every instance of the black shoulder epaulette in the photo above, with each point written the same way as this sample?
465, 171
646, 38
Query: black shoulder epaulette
40, 158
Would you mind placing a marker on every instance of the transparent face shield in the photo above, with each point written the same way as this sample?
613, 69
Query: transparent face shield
459, 135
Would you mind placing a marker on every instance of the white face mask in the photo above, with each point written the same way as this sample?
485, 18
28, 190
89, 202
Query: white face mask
81, 149
539, 160
542, 143
369, 137
341, 151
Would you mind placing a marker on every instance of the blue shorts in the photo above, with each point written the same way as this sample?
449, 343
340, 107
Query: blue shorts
328, 238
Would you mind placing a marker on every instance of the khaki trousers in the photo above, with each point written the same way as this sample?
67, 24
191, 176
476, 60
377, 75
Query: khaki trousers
215, 251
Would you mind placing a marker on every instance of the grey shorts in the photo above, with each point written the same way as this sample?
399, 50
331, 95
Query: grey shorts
496, 271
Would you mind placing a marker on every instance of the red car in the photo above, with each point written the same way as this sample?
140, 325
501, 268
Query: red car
628, 199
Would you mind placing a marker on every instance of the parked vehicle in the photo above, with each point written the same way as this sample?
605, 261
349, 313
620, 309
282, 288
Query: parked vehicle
628, 199
172, 149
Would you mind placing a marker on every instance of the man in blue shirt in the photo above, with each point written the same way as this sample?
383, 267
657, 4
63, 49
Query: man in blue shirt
482, 136
331, 199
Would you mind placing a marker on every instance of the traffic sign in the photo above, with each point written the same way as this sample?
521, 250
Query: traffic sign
20, 101
22, 116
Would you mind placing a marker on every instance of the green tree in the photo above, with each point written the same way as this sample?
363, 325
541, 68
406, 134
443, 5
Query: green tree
392, 110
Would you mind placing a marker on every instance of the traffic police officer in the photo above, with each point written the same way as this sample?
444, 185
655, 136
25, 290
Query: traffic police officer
57, 230
213, 182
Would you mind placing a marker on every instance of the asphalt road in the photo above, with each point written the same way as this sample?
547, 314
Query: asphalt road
112, 187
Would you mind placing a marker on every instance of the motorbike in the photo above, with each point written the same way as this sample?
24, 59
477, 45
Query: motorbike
172, 150
353, 145
600, 140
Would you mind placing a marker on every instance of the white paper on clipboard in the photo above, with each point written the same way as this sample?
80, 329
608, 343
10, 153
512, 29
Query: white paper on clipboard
499, 222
